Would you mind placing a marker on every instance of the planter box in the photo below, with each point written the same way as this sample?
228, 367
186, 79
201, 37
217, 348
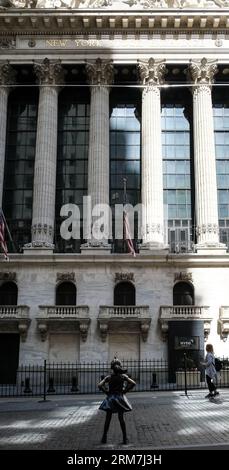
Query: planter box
192, 377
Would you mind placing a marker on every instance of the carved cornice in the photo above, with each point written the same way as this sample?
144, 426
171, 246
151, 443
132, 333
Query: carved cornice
49, 72
124, 277
8, 276
202, 72
65, 22
183, 276
100, 72
152, 71
65, 276
7, 73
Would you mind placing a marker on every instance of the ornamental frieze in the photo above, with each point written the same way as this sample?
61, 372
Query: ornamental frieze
124, 277
183, 276
115, 4
7, 43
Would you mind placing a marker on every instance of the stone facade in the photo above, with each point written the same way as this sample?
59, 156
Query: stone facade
151, 43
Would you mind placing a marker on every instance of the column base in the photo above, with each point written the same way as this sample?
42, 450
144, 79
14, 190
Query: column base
39, 248
95, 248
211, 248
156, 247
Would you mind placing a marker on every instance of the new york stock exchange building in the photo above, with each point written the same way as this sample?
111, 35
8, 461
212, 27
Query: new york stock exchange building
125, 102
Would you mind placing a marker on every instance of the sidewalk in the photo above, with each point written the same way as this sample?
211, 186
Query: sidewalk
159, 420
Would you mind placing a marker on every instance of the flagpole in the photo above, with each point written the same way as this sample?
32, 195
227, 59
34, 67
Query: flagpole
124, 202
8, 231
124, 190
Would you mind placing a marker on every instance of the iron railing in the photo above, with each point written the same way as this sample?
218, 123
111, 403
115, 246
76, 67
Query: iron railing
83, 378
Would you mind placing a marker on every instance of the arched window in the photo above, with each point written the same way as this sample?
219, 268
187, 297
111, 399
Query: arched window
183, 294
66, 294
124, 294
8, 293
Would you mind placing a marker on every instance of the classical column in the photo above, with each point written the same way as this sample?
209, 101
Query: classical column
207, 226
7, 77
151, 73
50, 75
100, 76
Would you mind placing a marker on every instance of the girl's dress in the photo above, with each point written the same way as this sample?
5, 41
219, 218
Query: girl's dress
116, 401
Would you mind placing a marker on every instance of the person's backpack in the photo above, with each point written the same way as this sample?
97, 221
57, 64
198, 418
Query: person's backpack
218, 364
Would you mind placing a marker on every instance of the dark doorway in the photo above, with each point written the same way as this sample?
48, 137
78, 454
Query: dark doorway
183, 294
66, 294
8, 293
124, 294
185, 337
9, 355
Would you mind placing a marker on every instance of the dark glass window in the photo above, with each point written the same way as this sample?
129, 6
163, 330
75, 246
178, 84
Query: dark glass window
183, 294
176, 152
125, 159
221, 126
124, 294
8, 293
66, 294
19, 165
72, 159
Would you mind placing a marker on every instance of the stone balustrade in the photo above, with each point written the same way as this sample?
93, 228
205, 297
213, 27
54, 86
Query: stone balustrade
224, 322
63, 318
184, 312
138, 316
14, 319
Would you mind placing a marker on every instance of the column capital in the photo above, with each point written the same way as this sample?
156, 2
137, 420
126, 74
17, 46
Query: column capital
100, 72
201, 72
49, 72
152, 71
7, 73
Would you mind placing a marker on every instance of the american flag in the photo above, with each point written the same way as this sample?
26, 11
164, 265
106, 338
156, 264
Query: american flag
2, 236
127, 234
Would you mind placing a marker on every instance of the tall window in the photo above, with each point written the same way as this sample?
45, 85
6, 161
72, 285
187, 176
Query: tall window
221, 125
124, 158
72, 159
124, 294
66, 294
177, 174
183, 294
19, 165
8, 293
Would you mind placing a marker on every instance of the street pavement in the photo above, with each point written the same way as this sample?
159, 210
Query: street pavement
159, 420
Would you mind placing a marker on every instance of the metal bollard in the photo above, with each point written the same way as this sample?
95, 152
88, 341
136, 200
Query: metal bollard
27, 386
51, 388
74, 384
154, 380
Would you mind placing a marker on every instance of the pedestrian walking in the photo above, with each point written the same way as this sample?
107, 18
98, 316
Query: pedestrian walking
210, 371
119, 383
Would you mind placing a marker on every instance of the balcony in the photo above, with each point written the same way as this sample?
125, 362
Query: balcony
63, 318
224, 322
14, 319
184, 312
135, 317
